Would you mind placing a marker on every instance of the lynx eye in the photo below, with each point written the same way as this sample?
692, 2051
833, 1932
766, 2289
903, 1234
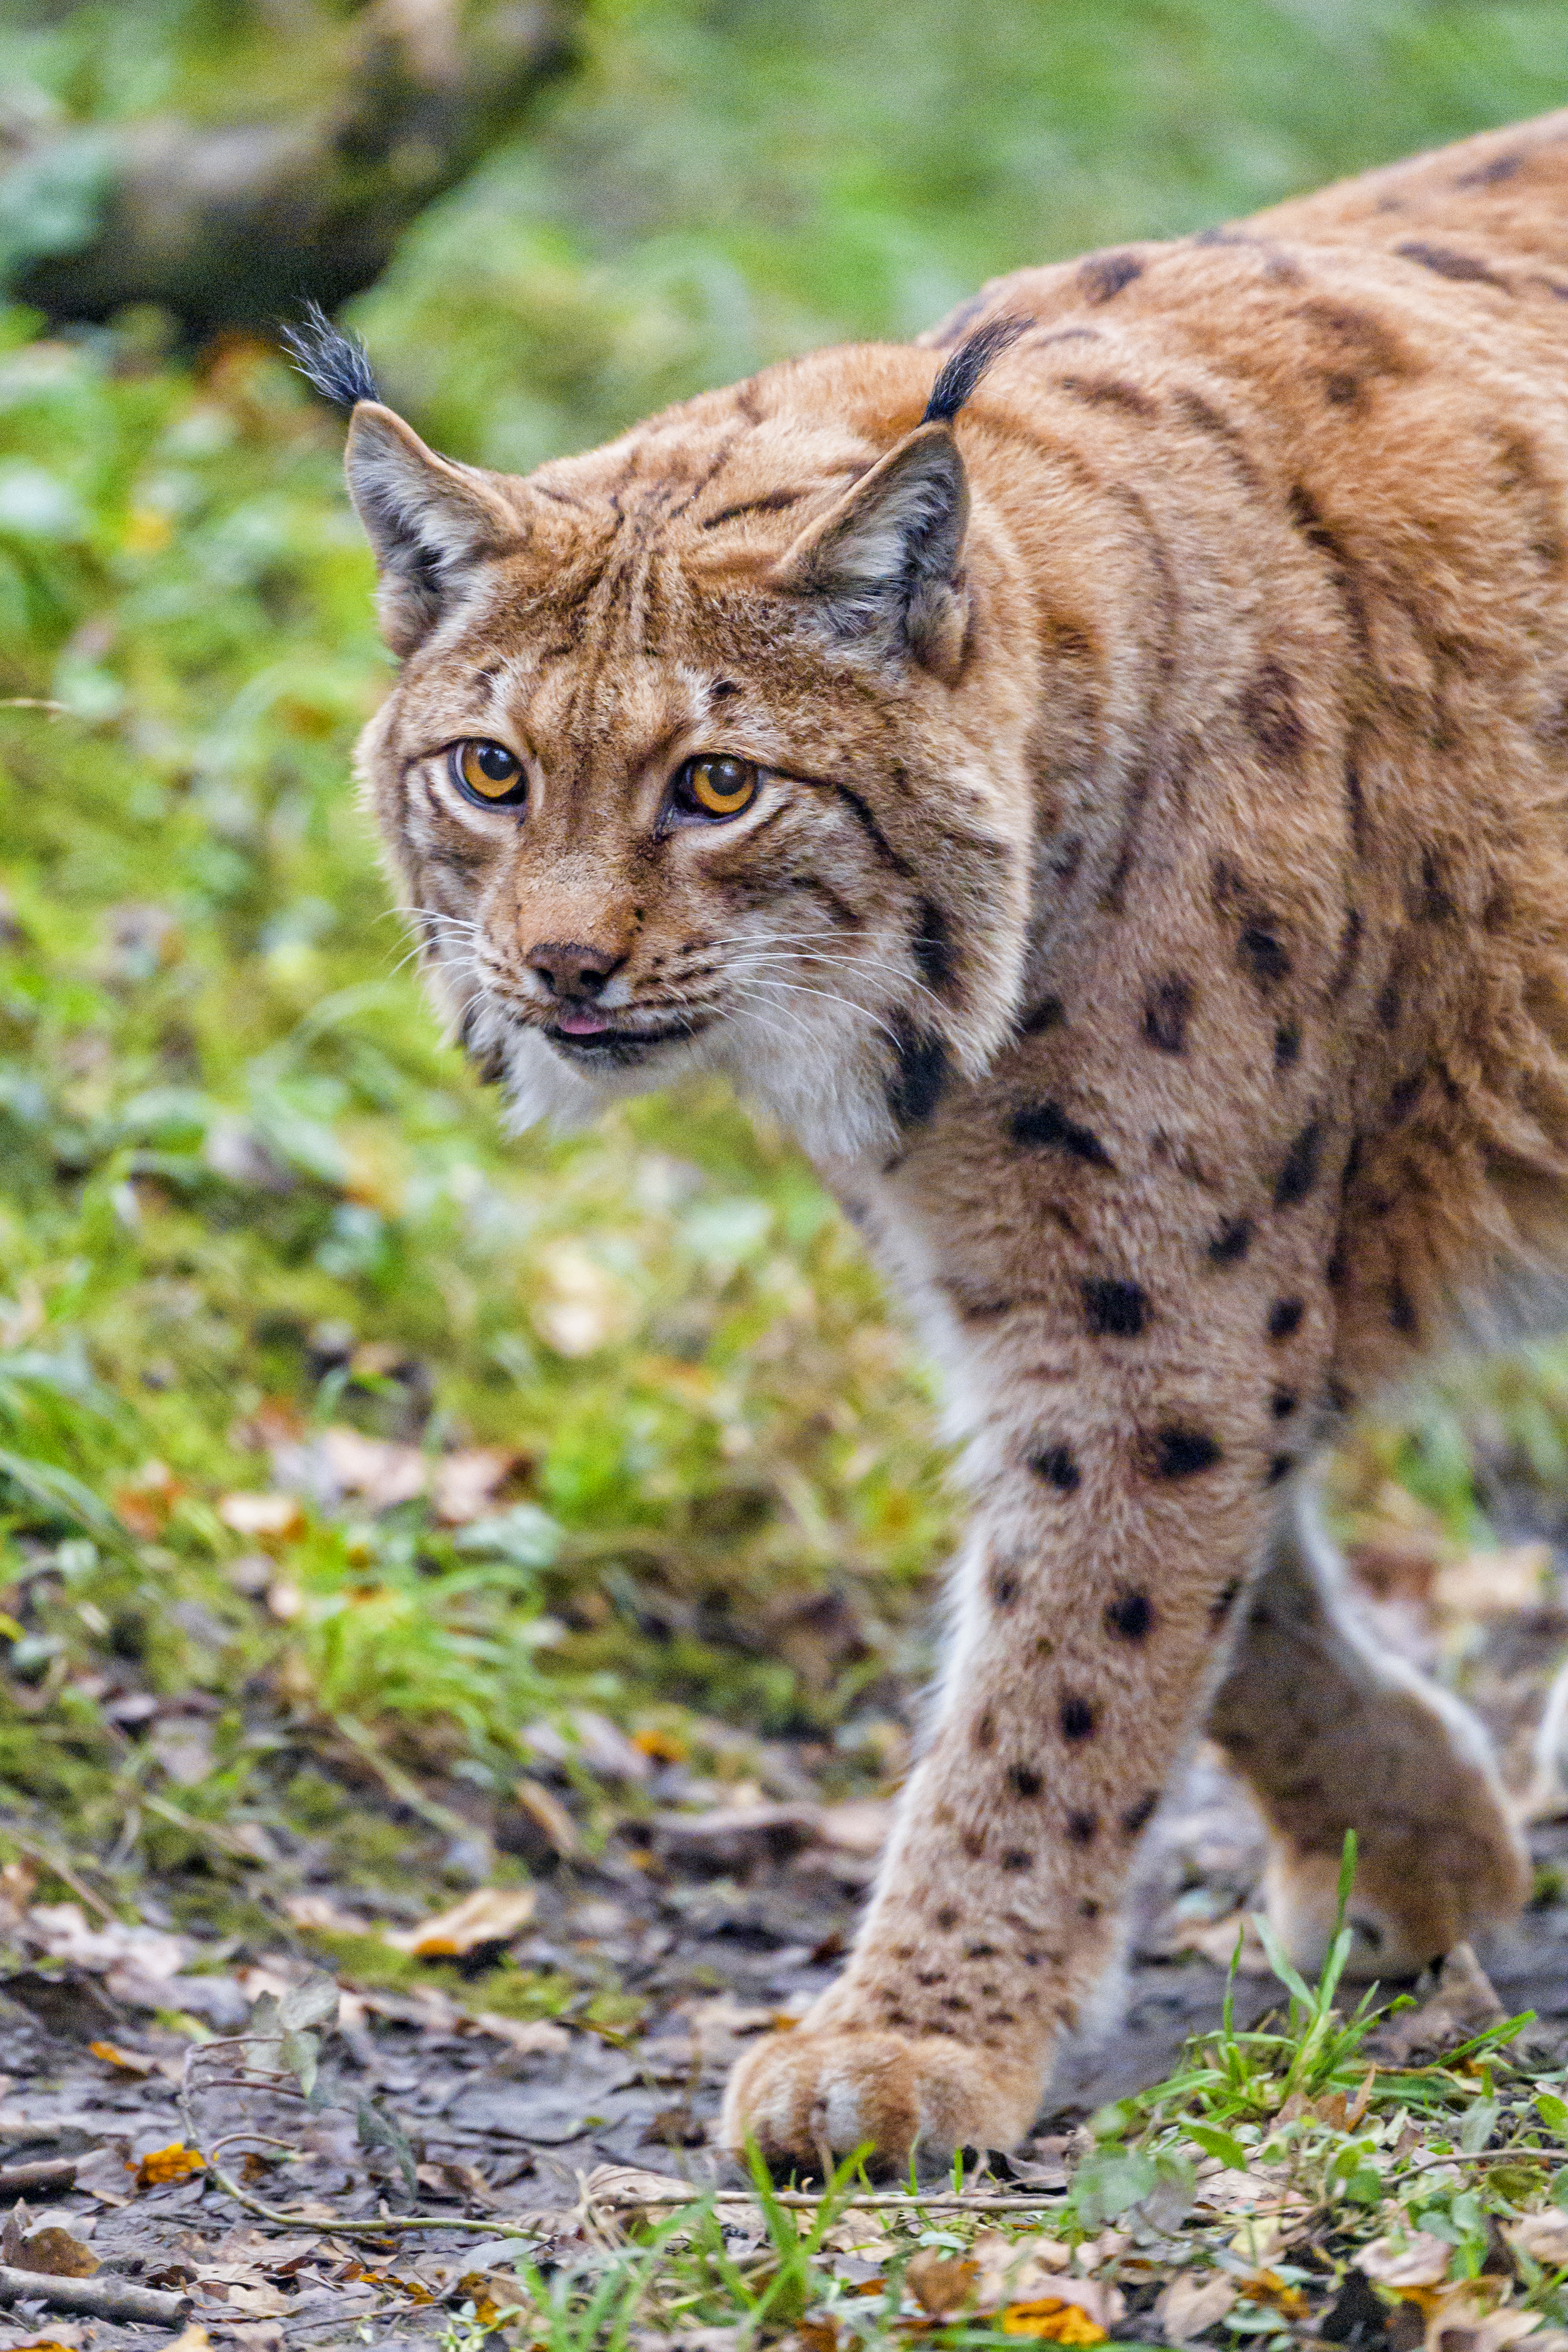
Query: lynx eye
717, 787
488, 773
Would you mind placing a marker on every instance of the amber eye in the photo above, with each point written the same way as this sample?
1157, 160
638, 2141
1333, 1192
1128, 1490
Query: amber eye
488, 773
717, 787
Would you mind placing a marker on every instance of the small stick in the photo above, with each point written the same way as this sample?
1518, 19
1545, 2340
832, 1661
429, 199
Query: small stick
47, 2172
65, 1873
95, 2298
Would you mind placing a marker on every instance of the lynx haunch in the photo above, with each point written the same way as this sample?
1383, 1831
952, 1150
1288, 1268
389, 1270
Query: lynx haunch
1101, 777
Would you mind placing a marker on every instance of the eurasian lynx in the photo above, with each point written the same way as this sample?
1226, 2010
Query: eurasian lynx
1102, 776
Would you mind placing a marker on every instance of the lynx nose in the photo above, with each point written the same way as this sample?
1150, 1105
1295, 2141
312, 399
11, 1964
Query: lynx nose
569, 969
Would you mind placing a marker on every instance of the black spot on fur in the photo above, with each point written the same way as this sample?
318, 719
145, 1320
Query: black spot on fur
1283, 1403
1300, 1173
1390, 997
1349, 954
1166, 1010
1006, 1585
933, 947
983, 1733
947, 1918
334, 364
1263, 954
1436, 903
1047, 1015
1232, 1242
1077, 1719
1056, 1466
1017, 1857
1224, 1603
1103, 275
958, 376
1045, 1127
1281, 1467
1082, 1828
1285, 1317
921, 1077
1401, 1309
1287, 1045
1138, 1816
1463, 268
1402, 1097
1174, 1452
1024, 1780
1100, 392
1114, 1310
1269, 708
1131, 1616
1488, 175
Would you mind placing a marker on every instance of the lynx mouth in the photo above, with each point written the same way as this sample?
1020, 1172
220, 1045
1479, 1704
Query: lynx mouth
607, 1044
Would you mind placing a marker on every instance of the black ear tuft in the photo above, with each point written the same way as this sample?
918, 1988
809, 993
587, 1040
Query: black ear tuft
334, 364
962, 371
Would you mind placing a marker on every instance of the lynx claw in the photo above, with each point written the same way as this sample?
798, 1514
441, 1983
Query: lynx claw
806, 2095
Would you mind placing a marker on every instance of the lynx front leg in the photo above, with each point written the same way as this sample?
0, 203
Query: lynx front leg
1111, 1547
1334, 1734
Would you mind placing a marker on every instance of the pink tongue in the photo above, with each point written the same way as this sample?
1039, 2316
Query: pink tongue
583, 1024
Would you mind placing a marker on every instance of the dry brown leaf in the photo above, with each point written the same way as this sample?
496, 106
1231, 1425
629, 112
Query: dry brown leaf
548, 1814
378, 1470
1417, 2259
1542, 2236
1194, 2302
463, 1484
489, 1915
263, 1518
620, 2188
325, 1913
942, 2284
55, 2251
1467, 2317
258, 2302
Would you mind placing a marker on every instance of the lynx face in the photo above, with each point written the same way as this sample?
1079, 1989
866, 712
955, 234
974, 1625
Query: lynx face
694, 761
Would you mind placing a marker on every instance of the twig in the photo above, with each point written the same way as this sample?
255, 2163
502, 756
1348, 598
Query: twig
903, 2199
224, 1840
65, 1873
95, 2298
48, 2172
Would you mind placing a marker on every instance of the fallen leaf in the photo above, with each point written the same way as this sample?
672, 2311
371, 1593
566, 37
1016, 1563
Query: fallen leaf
942, 2284
1542, 2236
325, 1914
1194, 2302
126, 2061
1416, 2260
191, 2338
58, 2252
161, 2165
1051, 2319
1493, 1584
463, 1484
621, 2187
489, 1915
537, 2037
263, 1518
548, 1814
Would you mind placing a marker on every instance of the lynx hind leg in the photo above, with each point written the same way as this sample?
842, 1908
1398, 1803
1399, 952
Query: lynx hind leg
1334, 1734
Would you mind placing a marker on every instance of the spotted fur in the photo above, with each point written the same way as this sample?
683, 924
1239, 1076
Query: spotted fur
1154, 922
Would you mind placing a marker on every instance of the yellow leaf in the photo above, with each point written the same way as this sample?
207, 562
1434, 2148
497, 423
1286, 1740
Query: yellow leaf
161, 2164
1051, 2318
128, 2060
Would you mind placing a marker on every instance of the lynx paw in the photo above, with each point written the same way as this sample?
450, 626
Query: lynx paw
1415, 1897
799, 2094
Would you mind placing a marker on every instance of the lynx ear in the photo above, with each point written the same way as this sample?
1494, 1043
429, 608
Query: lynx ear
884, 566
425, 517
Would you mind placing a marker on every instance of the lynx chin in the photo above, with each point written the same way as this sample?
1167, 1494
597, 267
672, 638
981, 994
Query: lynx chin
1100, 775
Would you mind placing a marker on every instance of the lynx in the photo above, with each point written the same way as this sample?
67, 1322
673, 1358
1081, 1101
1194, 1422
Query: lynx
1100, 775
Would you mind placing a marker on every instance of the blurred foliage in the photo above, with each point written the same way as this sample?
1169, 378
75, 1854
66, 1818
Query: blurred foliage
245, 1192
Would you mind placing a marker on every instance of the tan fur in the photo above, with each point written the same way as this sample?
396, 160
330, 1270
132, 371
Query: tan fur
1154, 922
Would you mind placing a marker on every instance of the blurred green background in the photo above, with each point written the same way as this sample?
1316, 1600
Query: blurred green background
247, 1202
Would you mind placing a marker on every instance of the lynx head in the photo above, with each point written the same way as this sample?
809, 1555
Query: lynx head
706, 748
